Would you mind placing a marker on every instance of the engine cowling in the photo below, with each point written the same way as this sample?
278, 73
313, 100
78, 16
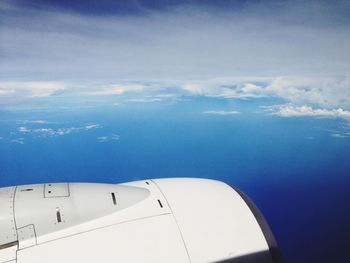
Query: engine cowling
161, 220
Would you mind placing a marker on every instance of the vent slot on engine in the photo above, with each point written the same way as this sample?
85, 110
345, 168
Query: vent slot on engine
114, 199
58, 215
160, 203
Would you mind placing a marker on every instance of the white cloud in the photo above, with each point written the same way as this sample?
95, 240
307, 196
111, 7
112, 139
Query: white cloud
102, 139
221, 112
92, 126
157, 95
113, 137
328, 91
30, 89
145, 100
338, 135
325, 91
117, 89
23, 129
34, 122
321, 90
341, 131
18, 140
194, 89
6, 91
295, 111
51, 132
241, 91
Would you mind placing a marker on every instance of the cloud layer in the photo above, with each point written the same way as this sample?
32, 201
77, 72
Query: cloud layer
221, 112
297, 51
307, 111
184, 42
51, 132
112, 138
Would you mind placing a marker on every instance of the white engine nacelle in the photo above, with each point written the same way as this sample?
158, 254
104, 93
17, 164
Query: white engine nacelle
161, 220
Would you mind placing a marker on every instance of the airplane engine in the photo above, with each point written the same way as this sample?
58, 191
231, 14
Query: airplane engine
161, 220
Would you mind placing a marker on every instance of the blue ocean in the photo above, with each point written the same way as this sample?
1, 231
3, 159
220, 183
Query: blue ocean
296, 170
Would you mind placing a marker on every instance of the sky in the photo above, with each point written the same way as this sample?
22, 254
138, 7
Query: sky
291, 50
253, 93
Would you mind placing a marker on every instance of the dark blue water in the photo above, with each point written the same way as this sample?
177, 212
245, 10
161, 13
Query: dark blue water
293, 168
